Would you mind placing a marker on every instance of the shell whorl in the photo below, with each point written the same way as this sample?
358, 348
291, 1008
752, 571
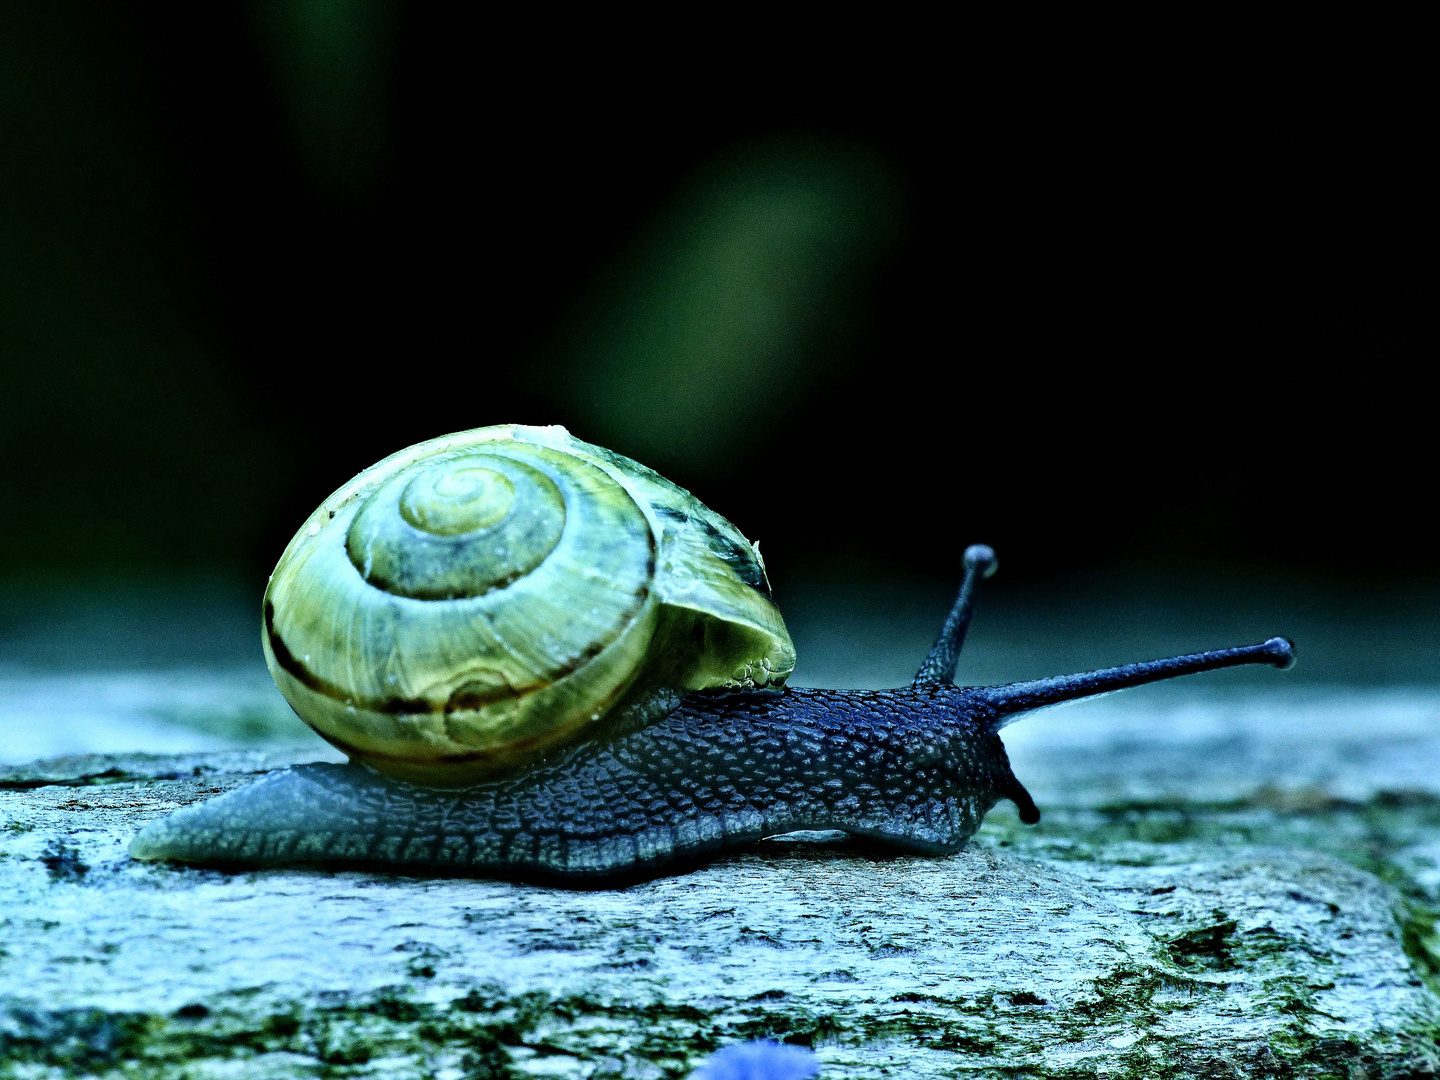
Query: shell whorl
459, 527
475, 600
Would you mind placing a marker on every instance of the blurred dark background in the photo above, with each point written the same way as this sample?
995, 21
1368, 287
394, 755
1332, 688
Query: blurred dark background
870, 307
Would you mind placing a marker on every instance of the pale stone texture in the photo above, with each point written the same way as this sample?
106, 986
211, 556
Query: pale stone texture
1218, 946
1234, 877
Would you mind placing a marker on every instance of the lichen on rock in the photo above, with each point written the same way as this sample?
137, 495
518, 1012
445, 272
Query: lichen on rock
1258, 937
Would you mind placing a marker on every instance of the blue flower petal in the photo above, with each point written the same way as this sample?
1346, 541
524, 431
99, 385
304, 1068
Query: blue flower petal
764, 1060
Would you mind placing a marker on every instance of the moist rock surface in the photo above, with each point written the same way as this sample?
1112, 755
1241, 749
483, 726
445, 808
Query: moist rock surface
1283, 931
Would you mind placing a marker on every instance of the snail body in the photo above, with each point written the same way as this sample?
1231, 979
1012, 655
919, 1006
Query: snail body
781, 761
546, 660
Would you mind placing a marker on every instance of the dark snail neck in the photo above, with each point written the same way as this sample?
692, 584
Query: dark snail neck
1006, 701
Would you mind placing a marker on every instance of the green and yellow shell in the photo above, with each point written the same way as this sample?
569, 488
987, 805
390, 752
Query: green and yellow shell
474, 601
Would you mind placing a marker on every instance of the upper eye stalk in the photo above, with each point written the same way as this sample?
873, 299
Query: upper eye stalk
939, 666
1014, 698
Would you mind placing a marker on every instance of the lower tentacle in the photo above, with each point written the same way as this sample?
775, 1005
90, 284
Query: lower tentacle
1016, 793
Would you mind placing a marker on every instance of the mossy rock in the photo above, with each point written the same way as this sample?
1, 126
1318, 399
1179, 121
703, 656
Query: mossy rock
1250, 939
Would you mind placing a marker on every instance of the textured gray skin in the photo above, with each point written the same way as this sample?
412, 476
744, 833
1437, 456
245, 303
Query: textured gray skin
916, 768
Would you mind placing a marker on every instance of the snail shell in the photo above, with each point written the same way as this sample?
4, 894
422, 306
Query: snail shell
476, 600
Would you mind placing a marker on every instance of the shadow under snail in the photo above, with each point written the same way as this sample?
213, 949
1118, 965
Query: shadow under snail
546, 660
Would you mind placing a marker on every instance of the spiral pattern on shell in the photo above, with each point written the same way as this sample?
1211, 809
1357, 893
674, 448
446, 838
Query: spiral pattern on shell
473, 601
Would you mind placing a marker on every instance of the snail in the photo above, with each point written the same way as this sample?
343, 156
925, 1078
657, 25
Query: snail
546, 660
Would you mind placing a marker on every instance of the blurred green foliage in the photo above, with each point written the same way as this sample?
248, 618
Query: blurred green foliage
332, 60
131, 435
122, 440
247, 250
738, 299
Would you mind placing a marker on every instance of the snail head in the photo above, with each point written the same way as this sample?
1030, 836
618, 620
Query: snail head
974, 716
